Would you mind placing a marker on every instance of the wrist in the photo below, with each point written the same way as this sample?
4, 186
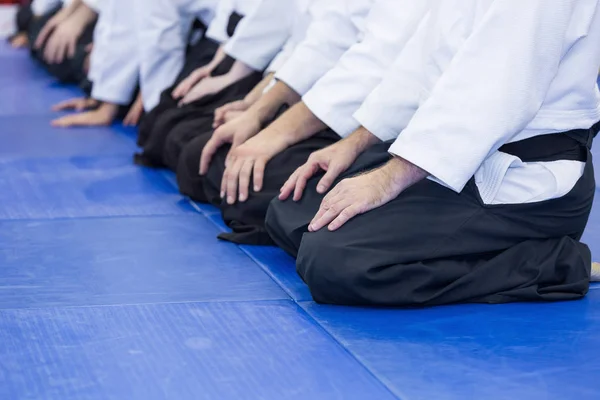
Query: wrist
403, 173
362, 139
110, 110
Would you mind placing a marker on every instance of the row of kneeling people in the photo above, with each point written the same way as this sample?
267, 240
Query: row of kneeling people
406, 152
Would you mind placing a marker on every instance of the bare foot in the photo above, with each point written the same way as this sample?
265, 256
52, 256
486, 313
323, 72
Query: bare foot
595, 272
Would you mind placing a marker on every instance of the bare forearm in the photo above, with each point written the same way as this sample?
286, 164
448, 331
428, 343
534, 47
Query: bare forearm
84, 15
271, 102
361, 139
71, 8
219, 56
258, 90
296, 125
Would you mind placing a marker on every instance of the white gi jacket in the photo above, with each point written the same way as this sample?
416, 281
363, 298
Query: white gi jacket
482, 73
339, 94
335, 26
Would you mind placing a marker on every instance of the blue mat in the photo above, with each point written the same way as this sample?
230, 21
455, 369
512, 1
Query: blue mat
112, 286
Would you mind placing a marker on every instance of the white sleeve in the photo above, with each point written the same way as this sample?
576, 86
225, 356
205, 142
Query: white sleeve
493, 88
262, 33
162, 44
217, 30
400, 90
115, 63
390, 25
331, 33
41, 7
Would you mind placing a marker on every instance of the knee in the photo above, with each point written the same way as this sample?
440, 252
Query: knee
188, 169
173, 149
331, 274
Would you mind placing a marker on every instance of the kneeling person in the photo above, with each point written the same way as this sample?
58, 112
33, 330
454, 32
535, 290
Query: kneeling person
483, 194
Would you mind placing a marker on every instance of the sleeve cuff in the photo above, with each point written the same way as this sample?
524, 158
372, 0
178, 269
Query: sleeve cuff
111, 96
431, 160
297, 76
247, 56
375, 124
342, 126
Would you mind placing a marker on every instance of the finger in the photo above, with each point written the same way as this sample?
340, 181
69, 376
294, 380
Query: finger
333, 172
232, 182
224, 183
244, 179
328, 215
303, 178
346, 215
259, 174
81, 105
42, 36
51, 50
181, 90
65, 105
209, 151
61, 52
328, 201
289, 185
68, 121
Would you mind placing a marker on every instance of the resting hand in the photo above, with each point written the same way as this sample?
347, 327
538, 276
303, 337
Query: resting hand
204, 88
363, 193
135, 112
249, 159
79, 104
235, 132
52, 23
225, 113
188, 83
103, 116
334, 160
63, 42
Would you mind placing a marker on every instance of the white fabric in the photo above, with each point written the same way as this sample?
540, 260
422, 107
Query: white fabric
115, 62
482, 73
339, 94
163, 41
335, 26
263, 32
217, 29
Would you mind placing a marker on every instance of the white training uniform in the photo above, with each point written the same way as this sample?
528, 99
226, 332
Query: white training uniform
163, 37
483, 73
123, 29
339, 94
163, 41
263, 33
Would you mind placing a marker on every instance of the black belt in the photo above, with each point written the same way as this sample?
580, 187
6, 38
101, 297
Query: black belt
572, 145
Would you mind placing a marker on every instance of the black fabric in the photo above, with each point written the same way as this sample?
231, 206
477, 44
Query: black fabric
70, 70
24, 18
245, 219
572, 145
432, 246
153, 146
